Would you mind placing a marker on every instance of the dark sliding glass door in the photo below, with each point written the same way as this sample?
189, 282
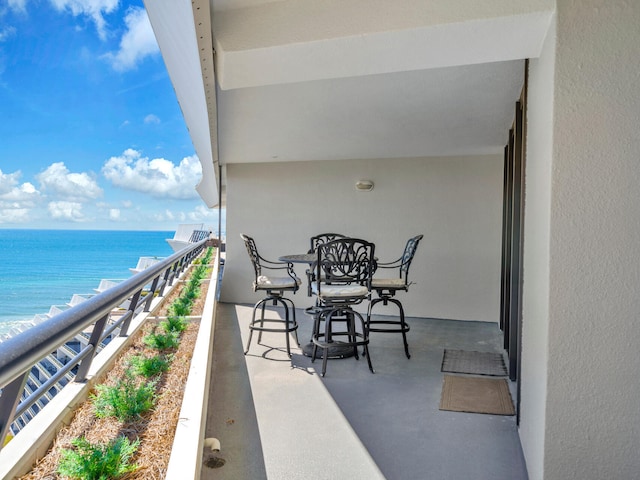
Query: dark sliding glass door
512, 239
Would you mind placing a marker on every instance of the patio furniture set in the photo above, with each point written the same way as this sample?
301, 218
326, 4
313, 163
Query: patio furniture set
341, 274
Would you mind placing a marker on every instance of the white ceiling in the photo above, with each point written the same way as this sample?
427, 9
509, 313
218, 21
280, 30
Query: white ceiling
352, 79
446, 111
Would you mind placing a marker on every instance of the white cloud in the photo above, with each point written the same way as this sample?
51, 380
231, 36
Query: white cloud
163, 217
137, 43
202, 214
16, 200
24, 194
66, 211
151, 118
6, 32
157, 177
20, 5
114, 214
71, 186
91, 8
14, 215
8, 181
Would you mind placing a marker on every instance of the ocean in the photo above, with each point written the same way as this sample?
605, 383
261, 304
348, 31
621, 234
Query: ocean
41, 268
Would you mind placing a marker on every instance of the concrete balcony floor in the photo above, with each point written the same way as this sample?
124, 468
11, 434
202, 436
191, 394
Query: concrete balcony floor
277, 418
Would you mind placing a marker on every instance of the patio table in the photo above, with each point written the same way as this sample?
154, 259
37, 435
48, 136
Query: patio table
339, 351
308, 258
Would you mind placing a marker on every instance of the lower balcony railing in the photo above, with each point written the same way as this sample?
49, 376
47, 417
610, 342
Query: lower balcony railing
109, 327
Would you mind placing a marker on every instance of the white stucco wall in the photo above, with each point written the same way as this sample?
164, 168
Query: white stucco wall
535, 302
592, 420
456, 202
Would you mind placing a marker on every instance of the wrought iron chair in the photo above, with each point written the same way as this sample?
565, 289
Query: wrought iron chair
323, 238
344, 269
283, 279
386, 288
315, 241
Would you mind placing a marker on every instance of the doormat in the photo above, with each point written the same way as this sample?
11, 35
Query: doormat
473, 363
476, 395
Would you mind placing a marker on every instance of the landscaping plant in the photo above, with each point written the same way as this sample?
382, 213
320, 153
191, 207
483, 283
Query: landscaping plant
174, 323
182, 306
162, 341
150, 367
126, 400
87, 461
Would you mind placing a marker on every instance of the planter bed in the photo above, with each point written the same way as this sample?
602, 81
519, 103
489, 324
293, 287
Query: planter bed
157, 428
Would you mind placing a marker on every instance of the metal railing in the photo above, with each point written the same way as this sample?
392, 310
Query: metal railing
19, 354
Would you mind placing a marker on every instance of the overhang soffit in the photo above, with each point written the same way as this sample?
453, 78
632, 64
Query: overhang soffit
304, 40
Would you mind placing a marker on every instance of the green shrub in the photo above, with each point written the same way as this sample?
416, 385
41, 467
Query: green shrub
125, 400
195, 280
197, 275
98, 461
191, 293
174, 323
161, 341
149, 367
181, 307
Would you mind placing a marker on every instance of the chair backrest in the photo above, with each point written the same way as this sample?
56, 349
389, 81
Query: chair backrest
407, 257
252, 250
346, 261
323, 238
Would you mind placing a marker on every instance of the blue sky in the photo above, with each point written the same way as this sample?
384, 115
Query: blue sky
91, 134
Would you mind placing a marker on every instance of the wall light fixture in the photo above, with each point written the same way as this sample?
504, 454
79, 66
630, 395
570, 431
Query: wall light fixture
364, 185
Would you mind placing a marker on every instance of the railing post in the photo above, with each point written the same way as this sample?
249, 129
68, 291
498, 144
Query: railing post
174, 268
152, 292
165, 281
9, 402
133, 305
182, 264
94, 341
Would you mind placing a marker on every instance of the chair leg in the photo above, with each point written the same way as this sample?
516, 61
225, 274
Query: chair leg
351, 329
253, 321
294, 323
365, 339
264, 304
403, 326
327, 339
323, 340
314, 334
286, 327
290, 323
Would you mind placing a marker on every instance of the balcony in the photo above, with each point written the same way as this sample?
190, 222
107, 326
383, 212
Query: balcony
277, 418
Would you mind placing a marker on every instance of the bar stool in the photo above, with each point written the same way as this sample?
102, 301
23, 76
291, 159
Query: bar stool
343, 279
386, 288
275, 287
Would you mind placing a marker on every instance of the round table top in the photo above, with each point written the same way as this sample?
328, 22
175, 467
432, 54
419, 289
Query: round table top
299, 258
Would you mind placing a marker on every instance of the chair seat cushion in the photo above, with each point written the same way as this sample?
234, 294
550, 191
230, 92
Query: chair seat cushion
393, 283
265, 281
339, 291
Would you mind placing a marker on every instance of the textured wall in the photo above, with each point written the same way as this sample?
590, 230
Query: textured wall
456, 202
535, 302
593, 419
